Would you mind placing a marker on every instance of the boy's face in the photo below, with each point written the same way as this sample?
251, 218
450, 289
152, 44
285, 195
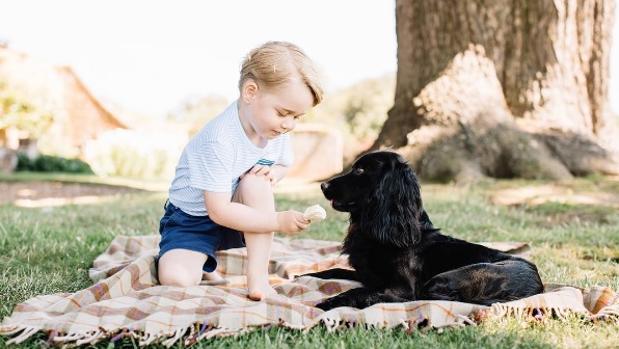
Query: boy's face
275, 111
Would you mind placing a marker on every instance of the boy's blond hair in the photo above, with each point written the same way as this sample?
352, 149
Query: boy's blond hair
273, 63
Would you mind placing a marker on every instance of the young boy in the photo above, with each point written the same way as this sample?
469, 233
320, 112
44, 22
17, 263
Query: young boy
221, 196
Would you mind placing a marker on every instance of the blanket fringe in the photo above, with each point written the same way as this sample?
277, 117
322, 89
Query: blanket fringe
9, 330
408, 325
499, 310
147, 339
608, 313
330, 323
71, 337
466, 320
411, 325
198, 331
177, 335
91, 338
27, 332
216, 331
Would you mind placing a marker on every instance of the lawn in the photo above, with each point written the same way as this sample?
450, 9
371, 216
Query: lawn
48, 250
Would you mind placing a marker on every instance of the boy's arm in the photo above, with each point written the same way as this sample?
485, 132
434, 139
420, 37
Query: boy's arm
244, 218
274, 173
278, 172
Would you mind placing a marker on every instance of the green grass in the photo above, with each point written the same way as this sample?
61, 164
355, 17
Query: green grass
49, 250
27, 176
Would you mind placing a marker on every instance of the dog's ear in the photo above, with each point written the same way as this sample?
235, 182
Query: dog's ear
393, 213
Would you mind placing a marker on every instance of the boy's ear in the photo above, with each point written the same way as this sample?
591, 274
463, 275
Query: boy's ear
250, 90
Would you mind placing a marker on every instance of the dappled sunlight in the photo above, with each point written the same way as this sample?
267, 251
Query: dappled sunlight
26, 192
35, 194
537, 195
54, 202
40, 194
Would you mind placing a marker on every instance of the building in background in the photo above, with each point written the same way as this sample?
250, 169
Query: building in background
76, 115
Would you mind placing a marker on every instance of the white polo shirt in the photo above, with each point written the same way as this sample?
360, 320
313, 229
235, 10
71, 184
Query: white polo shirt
217, 156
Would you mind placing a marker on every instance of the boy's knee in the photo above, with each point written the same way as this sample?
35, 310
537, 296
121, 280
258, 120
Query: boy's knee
252, 184
171, 276
255, 191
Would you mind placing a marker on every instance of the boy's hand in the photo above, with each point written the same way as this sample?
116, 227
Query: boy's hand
291, 222
261, 170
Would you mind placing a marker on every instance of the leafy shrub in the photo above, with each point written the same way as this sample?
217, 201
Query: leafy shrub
135, 153
50, 163
18, 110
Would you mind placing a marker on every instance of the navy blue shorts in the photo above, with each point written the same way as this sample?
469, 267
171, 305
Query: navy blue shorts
196, 233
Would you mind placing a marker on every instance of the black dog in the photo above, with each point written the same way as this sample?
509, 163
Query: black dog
399, 256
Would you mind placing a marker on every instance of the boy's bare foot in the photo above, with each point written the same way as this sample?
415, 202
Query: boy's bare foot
258, 293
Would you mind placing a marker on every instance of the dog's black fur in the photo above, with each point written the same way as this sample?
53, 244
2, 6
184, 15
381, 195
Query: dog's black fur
399, 256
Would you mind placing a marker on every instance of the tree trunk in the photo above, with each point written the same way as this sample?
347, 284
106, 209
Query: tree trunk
503, 88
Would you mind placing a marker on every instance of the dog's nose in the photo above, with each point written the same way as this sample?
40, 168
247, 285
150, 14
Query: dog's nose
324, 186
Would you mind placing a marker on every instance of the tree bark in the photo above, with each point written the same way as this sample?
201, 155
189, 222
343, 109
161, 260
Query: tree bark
503, 88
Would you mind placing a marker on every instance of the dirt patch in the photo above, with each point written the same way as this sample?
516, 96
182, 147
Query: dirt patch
559, 214
559, 205
46, 193
538, 195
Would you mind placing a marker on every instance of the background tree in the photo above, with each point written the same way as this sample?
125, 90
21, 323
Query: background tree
16, 112
197, 111
503, 88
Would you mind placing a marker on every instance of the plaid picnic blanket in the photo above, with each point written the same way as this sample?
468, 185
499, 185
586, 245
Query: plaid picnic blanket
126, 300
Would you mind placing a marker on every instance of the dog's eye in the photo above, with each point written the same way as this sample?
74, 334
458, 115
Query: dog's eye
358, 171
